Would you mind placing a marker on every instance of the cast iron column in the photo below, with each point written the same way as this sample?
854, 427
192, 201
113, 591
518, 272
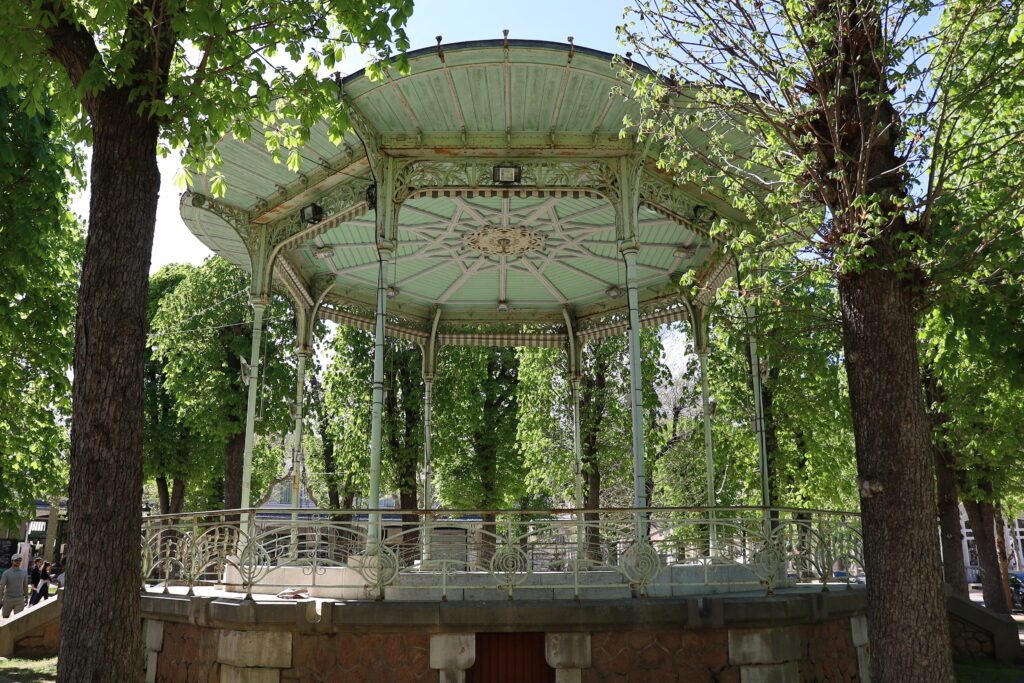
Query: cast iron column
259, 305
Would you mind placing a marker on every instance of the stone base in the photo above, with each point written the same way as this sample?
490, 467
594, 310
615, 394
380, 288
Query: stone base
817, 637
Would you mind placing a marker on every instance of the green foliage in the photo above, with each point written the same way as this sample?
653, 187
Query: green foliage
170, 448
477, 462
41, 250
200, 68
347, 394
201, 335
347, 401
806, 397
544, 432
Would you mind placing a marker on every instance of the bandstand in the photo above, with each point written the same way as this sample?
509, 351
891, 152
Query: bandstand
490, 197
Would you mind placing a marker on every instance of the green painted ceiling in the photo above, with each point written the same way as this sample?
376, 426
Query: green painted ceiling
576, 266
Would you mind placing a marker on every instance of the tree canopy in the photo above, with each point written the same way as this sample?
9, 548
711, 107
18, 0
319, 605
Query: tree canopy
41, 250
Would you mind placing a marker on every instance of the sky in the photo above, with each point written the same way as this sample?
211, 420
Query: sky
591, 23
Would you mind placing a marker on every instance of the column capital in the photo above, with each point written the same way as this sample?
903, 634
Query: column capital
259, 300
304, 351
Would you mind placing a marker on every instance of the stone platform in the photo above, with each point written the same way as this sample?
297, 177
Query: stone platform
797, 634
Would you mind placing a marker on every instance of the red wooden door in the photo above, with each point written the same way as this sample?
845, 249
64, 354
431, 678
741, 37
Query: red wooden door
510, 658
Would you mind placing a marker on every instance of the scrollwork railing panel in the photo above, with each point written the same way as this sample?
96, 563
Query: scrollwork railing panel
656, 551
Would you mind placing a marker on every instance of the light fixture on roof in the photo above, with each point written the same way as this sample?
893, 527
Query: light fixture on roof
613, 292
506, 174
502, 306
311, 214
323, 253
393, 292
703, 215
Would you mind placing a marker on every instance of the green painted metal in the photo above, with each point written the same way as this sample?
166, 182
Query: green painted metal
481, 101
258, 307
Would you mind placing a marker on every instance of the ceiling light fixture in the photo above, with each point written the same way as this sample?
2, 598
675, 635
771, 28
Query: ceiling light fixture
506, 174
323, 253
502, 306
311, 214
613, 292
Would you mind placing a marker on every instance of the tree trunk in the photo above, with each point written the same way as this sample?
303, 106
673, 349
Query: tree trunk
163, 496
950, 529
906, 609
234, 455
100, 620
1004, 568
317, 394
592, 502
488, 529
178, 496
52, 522
982, 517
593, 406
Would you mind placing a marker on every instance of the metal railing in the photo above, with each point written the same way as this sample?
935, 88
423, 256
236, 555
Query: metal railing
477, 554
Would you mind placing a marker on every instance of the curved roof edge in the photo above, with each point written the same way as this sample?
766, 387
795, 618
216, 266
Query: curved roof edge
511, 43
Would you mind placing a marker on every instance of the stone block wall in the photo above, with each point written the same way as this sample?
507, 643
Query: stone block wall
43, 642
199, 640
188, 654
828, 653
969, 641
656, 656
374, 658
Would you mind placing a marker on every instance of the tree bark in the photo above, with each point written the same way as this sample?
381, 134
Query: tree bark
317, 394
52, 523
593, 404
950, 529
982, 517
1004, 568
906, 609
178, 496
101, 620
234, 454
163, 496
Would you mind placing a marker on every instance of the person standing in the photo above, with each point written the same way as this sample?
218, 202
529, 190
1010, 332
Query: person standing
13, 587
39, 581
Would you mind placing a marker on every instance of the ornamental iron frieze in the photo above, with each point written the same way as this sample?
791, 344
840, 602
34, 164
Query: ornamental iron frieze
667, 197
594, 175
333, 202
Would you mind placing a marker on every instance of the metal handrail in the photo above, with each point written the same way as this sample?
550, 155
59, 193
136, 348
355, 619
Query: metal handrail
512, 552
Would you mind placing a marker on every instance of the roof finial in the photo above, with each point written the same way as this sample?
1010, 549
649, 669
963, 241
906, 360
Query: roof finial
504, 32
440, 52
572, 49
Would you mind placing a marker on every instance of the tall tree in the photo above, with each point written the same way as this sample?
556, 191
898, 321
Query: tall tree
201, 332
170, 449
843, 105
41, 249
347, 396
477, 462
144, 76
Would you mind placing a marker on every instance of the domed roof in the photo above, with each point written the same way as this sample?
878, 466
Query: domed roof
483, 250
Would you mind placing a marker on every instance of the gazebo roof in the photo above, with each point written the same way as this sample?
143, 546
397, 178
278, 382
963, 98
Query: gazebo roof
487, 254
